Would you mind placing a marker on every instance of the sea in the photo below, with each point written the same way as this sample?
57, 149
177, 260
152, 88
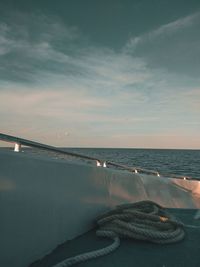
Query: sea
166, 161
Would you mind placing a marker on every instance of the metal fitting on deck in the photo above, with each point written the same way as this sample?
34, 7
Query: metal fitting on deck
17, 147
101, 164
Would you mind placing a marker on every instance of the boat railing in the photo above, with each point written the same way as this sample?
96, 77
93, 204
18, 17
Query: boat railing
133, 169
19, 142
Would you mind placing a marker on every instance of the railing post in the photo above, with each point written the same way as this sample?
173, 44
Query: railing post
101, 164
98, 163
17, 147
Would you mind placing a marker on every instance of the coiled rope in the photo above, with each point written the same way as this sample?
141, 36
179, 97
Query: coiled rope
144, 220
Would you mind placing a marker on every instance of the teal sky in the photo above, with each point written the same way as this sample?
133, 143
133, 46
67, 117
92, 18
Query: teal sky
115, 73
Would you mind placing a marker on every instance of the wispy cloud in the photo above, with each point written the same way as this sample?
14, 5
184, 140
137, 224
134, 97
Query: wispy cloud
42, 58
164, 30
52, 84
173, 47
27, 47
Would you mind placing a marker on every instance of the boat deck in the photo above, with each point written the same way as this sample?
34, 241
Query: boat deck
132, 252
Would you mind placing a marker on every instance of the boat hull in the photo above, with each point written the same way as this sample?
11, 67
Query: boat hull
44, 201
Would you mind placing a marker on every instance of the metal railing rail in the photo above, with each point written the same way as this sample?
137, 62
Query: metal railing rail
20, 141
99, 162
150, 172
133, 169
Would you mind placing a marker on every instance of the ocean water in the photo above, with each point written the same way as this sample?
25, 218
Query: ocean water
165, 161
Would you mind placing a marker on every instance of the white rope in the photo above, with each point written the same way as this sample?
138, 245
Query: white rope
143, 220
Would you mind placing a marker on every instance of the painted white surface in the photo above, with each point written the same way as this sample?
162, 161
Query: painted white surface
45, 202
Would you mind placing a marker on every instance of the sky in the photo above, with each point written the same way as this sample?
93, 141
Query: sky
109, 73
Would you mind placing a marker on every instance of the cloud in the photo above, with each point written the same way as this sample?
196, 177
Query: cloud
53, 83
42, 58
40, 64
27, 61
27, 47
164, 30
174, 46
